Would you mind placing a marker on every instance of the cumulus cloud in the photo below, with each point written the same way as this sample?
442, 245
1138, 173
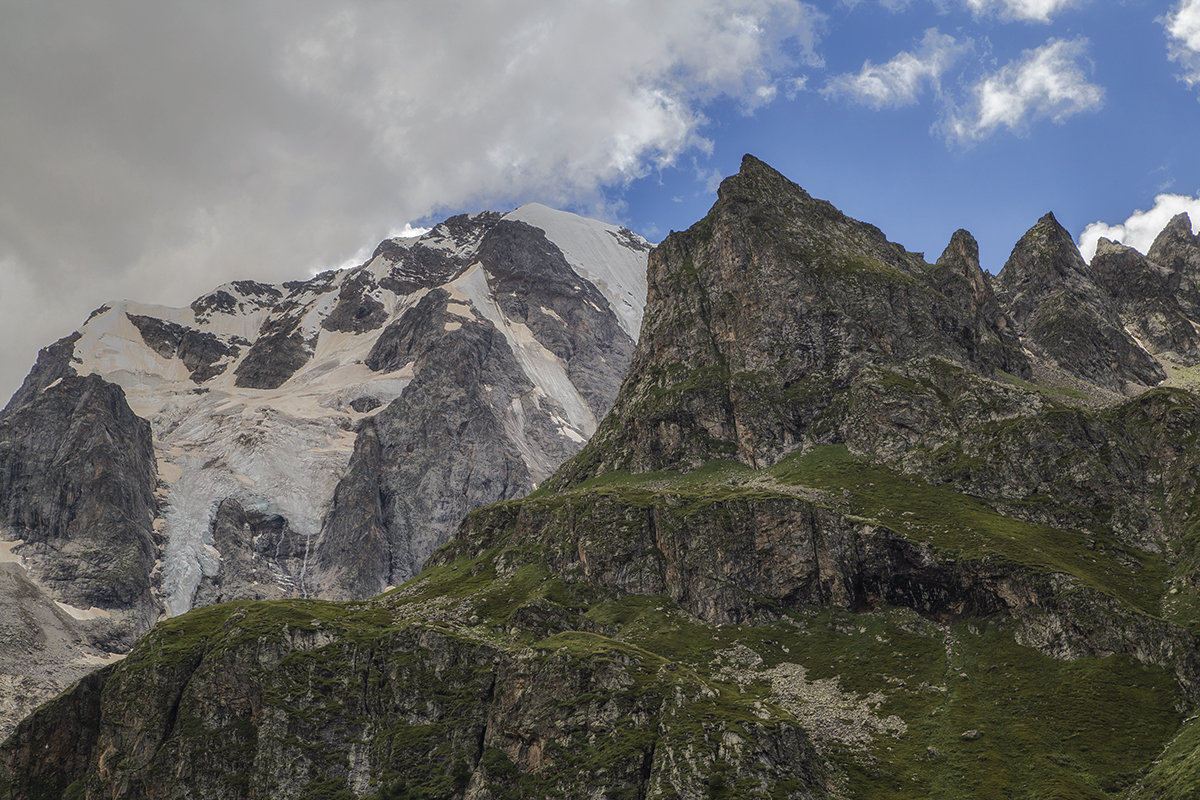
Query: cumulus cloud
154, 150
1142, 227
899, 81
1183, 39
1046, 83
1028, 10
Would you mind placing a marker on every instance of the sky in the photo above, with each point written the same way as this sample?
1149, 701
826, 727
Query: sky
152, 151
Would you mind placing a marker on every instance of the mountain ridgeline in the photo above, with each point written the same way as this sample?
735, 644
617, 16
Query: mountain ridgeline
318, 438
856, 526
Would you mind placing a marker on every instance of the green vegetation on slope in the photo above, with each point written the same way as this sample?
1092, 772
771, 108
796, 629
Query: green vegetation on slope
967, 526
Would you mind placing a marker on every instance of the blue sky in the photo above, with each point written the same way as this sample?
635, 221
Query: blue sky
901, 169
152, 151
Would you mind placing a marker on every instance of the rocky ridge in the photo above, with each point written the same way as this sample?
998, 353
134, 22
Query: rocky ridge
857, 526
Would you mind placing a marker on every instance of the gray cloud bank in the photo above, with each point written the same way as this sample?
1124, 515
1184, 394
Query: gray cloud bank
154, 150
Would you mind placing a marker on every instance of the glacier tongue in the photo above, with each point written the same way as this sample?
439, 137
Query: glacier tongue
224, 447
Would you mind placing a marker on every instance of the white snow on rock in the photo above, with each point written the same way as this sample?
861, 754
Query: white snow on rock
545, 370
282, 451
598, 252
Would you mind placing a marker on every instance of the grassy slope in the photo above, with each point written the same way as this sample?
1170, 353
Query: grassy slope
1047, 728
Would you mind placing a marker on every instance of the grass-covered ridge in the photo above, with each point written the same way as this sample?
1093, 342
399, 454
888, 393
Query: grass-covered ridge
891, 700
969, 527
499, 666
952, 523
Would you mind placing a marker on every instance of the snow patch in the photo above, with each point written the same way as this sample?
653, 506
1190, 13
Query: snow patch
83, 613
594, 251
544, 369
7, 556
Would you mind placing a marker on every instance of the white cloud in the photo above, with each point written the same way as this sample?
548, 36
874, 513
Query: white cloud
1142, 227
1046, 83
890, 5
899, 81
1028, 10
155, 150
1183, 38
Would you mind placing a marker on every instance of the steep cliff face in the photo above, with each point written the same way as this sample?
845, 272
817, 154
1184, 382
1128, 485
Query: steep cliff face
857, 526
77, 482
77, 479
214, 704
729, 368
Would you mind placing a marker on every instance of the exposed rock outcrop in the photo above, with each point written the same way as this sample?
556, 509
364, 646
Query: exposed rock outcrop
1048, 290
77, 477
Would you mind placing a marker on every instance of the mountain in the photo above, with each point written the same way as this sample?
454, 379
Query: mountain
857, 526
318, 438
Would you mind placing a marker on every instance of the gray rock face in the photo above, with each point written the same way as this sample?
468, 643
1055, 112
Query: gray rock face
53, 362
961, 279
43, 650
402, 341
77, 479
1178, 251
355, 311
199, 351
261, 557
1145, 294
469, 429
436, 258
279, 351
534, 285
1048, 290
433, 454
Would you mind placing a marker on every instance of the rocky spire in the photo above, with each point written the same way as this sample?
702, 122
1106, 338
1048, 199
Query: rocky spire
959, 276
1062, 313
1043, 262
1176, 247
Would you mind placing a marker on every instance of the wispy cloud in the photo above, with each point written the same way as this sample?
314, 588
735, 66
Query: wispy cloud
1183, 39
1028, 10
1046, 83
1140, 230
900, 81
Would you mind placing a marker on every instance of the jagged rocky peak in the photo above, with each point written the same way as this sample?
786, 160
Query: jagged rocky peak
961, 278
778, 303
963, 253
1126, 274
1066, 318
1044, 261
1154, 302
1176, 247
